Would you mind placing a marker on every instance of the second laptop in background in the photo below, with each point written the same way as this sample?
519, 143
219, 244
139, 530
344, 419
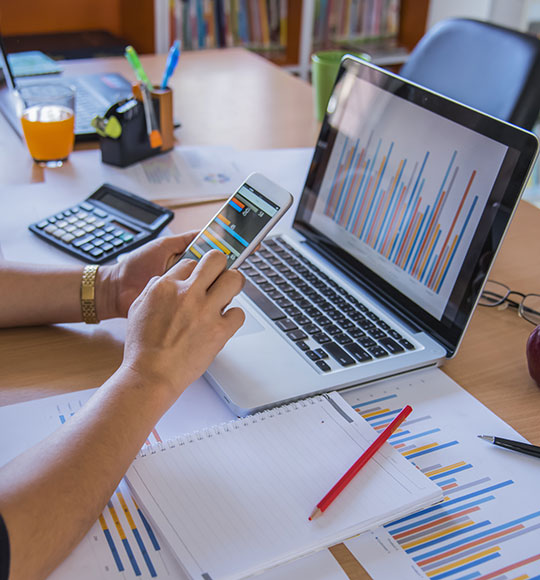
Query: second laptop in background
94, 94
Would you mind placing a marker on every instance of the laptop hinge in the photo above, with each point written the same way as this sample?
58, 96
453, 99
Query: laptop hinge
387, 377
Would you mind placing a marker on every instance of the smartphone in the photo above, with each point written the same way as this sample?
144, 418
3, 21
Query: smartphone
243, 221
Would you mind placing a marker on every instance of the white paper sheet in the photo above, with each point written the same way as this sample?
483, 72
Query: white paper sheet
186, 174
490, 522
287, 167
26, 204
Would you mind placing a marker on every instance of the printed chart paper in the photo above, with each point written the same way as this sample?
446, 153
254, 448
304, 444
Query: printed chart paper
488, 527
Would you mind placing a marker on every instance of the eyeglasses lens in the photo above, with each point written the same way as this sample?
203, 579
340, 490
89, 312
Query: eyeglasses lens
529, 308
494, 294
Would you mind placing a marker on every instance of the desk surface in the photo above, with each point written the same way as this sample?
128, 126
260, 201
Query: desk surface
231, 97
236, 98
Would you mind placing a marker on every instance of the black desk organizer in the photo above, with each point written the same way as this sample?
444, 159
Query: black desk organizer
133, 144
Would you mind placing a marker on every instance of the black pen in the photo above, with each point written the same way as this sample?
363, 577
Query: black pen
513, 445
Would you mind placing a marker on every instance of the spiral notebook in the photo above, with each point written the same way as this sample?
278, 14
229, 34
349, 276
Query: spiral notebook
234, 500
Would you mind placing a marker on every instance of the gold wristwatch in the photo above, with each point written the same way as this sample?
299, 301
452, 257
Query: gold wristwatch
88, 294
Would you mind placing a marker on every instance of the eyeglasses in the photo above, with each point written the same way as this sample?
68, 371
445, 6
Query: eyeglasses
498, 295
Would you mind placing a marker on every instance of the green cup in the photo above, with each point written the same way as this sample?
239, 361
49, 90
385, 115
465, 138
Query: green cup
324, 70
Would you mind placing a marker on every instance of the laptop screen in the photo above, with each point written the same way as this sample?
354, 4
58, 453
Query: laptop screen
412, 193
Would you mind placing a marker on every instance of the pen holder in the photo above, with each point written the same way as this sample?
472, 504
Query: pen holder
124, 138
163, 104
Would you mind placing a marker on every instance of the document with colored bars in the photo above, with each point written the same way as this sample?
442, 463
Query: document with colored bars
487, 528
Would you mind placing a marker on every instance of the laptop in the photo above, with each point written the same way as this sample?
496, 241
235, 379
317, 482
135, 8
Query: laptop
404, 208
94, 94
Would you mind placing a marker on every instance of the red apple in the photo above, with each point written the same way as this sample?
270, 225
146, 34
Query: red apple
533, 354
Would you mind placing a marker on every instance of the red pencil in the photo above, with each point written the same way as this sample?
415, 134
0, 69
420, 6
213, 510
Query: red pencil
359, 463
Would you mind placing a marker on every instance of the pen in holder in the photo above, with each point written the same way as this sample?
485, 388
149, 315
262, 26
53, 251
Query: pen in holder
131, 131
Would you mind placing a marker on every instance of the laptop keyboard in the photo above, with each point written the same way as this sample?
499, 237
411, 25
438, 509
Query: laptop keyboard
86, 108
328, 326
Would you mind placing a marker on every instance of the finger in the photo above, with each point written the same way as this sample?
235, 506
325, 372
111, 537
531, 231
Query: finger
182, 270
226, 287
209, 267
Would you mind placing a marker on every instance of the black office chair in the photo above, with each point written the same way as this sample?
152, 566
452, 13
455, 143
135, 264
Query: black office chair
485, 66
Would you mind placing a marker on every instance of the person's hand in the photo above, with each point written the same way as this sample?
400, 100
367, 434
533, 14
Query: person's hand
120, 284
180, 322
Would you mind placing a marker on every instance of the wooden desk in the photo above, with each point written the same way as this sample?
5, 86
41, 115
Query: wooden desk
221, 97
235, 98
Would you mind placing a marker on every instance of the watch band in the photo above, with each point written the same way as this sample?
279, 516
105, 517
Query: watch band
88, 294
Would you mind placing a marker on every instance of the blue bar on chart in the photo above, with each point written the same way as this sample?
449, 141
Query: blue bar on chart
123, 538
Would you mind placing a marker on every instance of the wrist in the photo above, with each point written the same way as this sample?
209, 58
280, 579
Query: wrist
163, 391
105, 292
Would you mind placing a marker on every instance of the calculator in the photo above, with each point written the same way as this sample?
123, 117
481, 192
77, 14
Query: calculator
108, 223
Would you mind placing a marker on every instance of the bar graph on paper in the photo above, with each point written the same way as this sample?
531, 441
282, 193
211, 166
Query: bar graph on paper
123, 540
488, 526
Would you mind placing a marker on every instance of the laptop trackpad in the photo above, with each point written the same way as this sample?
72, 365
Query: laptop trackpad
250, 326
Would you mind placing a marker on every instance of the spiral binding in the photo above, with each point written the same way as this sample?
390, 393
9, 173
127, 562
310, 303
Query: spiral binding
227, 426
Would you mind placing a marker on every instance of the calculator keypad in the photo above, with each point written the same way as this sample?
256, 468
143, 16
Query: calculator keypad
87, 229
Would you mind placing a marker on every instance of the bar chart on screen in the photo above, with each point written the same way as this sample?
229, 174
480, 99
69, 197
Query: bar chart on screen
235, 227
397, 214
400, 197
488, 526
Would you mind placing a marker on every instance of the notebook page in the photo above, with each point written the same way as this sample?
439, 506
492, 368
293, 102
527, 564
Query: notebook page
236, 500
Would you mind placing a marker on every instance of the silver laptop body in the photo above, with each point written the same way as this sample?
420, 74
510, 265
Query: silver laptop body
405, 205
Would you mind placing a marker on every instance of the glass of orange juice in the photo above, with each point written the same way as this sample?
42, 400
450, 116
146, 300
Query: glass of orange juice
48, 121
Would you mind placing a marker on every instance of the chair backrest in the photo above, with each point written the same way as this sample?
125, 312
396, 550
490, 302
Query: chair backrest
485, 66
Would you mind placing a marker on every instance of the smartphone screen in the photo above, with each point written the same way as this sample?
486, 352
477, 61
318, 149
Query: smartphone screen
236, 226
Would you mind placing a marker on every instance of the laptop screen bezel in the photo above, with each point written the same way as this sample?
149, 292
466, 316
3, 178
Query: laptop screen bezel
522, 149
8, 92
4, 64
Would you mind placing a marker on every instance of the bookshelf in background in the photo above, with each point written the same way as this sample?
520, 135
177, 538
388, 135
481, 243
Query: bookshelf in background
268, 27
356, 24
289, 31
81, 29
385, 29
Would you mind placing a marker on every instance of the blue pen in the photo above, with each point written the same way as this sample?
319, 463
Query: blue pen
172, 61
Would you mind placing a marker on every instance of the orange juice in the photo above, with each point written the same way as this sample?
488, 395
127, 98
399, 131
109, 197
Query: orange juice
49, 131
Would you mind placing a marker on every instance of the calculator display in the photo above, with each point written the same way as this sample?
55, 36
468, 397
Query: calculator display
128, 208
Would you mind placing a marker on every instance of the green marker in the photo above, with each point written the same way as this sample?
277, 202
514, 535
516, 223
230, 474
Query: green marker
135, 63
